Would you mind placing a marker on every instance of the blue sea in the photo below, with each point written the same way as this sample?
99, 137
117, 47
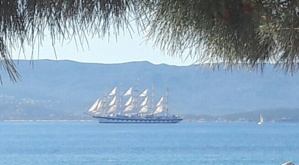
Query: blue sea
91, 143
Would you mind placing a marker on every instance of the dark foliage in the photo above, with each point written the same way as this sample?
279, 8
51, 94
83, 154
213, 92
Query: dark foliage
247, 32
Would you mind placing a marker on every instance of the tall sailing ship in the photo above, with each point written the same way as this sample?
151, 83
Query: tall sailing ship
131, 107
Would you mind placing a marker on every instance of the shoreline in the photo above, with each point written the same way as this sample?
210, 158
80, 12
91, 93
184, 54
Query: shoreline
47, 121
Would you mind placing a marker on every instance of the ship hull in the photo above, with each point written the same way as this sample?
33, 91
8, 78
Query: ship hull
152, 120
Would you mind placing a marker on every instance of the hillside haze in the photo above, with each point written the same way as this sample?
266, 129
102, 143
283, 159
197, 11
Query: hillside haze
65, 89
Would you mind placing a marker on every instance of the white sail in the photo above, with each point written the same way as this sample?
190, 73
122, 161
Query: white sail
144, 102
158, 110
159, 107
96, 107
261, 120
143, 109
113, 102
100, 105
112, 109
93, 108
129, 105
129, 92
144, 106
129, 102
160, 102
144, 93
113, 92
129, 108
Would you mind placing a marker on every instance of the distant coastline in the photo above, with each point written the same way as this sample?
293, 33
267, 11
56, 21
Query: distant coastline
47, 121
61, 90
274, 115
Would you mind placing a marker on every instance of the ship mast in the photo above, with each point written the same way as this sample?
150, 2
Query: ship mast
105, 101
119, 109
153, 95
166, 102
135, 97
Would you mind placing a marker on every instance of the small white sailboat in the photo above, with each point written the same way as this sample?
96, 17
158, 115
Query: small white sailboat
261, 120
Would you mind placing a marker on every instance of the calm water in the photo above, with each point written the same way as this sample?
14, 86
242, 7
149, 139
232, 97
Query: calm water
182, 144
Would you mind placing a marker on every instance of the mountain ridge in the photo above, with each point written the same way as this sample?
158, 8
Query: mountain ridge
64, 89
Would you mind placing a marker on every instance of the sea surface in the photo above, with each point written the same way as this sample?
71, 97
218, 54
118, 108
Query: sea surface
91, 143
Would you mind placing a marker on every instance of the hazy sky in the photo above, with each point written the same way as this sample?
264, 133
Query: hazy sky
125, 49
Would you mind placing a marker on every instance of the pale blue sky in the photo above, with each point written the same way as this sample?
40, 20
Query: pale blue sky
125, 49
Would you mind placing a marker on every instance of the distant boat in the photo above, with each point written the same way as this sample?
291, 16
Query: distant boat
288, 163
138, 108
261, 120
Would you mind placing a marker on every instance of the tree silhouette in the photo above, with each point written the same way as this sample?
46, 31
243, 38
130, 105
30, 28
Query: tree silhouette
230, 32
